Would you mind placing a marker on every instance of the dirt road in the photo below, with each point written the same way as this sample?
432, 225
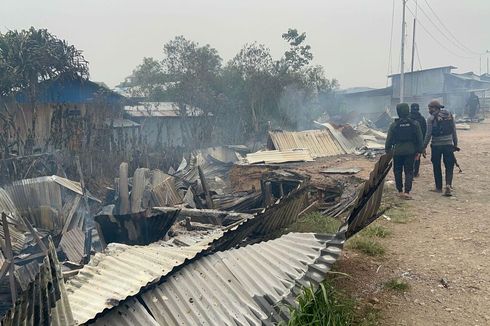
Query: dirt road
443, 238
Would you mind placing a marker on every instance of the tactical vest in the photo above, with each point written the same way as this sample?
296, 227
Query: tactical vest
405, 131
442, 126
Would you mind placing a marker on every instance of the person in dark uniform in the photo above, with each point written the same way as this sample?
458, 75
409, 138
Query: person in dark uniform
473, 105
415, 115
441, 129
405, 141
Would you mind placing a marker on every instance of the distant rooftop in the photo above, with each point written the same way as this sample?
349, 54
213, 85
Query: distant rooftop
424, 70
160, 109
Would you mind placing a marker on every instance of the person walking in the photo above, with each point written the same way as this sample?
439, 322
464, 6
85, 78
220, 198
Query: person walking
415, 115
441, 129
405, 140
473, 105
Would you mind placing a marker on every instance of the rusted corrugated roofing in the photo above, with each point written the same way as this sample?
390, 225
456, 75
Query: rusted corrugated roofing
279, 156
121, 271
244, 286
45, 301
320, 143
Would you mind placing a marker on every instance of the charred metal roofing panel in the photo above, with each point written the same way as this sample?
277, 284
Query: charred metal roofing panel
72, 243
44, 302
121, 271
319, 142
244, 286
369, 198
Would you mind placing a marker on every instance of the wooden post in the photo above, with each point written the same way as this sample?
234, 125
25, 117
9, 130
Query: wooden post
123, 189
268, 199
10, 258
205, 188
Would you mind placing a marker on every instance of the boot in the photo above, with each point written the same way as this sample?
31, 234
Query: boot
447, 191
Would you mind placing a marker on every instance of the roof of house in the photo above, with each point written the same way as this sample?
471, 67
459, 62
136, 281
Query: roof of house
424, 70
161, 110
71, 91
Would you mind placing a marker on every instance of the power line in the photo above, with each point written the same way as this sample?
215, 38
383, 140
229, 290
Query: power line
442, 32
449, 31
418, 55
436, 40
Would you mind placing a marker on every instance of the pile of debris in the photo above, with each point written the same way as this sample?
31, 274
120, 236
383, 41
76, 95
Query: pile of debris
162, 242
219, 267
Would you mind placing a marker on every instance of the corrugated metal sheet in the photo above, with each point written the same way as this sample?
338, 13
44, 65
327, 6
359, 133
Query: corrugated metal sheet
244, 286
320, 143
121, 271
163, 191
72, 244
279, 156
215, 172
46, 201
44, 302
143, 262
283, 213
249, 285
369, 198
349, 141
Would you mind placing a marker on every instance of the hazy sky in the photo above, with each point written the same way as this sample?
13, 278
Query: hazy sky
350, 38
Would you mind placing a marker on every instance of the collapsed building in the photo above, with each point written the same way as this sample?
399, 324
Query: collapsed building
171, 242
146, 246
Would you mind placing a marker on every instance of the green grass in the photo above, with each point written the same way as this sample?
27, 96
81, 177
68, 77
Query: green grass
398, 215
324, 307
329, 307
376, 231
366, 245
316, 223
397, 285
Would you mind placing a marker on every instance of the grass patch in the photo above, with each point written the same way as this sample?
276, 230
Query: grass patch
397, 285
376, 231
324, 307
329, 307
367, 246
316, 223
398, 216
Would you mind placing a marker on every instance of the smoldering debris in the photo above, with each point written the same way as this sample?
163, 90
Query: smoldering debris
214, 201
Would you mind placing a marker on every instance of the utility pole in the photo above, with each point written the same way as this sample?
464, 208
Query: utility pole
487, 61
402, 63
413, 43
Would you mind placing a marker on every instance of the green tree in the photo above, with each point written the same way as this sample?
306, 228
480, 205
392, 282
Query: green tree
146, 81
30, 56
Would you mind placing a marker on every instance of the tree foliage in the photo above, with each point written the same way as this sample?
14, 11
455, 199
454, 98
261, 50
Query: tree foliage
247, 94
30, 56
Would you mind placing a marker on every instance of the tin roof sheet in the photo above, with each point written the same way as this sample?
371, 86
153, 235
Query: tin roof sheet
278, 156
45, 301
121, 271
320, 143
244, 286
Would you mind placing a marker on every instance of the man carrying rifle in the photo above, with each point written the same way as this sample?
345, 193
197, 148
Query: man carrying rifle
441, 129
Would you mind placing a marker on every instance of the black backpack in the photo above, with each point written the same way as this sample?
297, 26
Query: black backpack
405, 130
442, 125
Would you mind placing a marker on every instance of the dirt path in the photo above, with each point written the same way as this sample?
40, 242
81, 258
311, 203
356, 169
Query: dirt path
444, 238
